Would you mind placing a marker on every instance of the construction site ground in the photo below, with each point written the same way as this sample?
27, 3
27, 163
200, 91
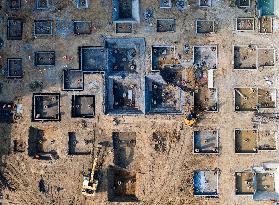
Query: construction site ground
164, 176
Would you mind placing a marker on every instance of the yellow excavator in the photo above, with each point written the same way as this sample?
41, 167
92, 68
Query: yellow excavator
90, 182
191, 120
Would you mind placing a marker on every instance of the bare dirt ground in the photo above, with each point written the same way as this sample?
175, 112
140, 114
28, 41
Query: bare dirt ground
164, 176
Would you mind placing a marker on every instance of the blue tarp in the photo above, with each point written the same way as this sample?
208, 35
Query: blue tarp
266, 7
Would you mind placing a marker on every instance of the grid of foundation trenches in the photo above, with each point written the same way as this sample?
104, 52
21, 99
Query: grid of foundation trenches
253, 99
123, 170
251, 141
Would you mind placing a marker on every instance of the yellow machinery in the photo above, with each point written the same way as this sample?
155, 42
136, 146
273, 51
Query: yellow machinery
90, 182
191, 120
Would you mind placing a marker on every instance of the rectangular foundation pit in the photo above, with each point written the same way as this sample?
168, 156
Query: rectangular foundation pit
83, 106
161, 97
42, 4
123, 28
246, 99
44, 58
124, 144
82, 4
41, 144
205, 3
267, 98
265, 182
80, 144
173, 75
206, 99
181, 4
165, 4
266, 24
82, 27
162, 56
46, 107
124, 95
73, 80
244, 183
43, 27
92, 59
205, 56
245, 24
266, 57
242, 3
245, 57
166, 25
122, 185
205, 26
123, 60
206, 183
7, 110
251, 99
125, 55
267, 140
246, 141
14, 4
15, 69
14, 29
206, 141
125, 11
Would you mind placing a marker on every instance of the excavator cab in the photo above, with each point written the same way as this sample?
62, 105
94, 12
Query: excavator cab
191, 120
